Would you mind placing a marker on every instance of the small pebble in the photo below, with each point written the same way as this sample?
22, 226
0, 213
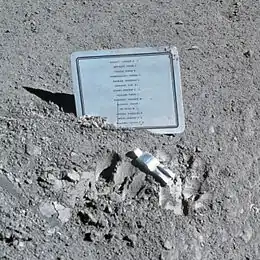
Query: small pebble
194, 47
15, 243
87, 217
167, 245
132, 238
140, 223
95, 124
21, 245
248, 53
8, 235
61, 258
198, 149
17, 180
211, 130
50, 231
92, 236
28, 181
179, 22
47, 209
64, 213
247, 233
73, 176
102, 222
108, 209
33, 150
115, 197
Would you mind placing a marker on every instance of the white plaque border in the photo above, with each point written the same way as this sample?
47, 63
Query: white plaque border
171, 51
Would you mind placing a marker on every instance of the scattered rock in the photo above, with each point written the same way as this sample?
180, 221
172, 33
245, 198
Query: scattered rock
191, 188
113, 234
116, 197
28, 181
102, 222
193, 48
247, 233
20, 245
179, 22
72, 176
162, 156
140, 223
47, 209
124, 169
50, 209
135, 185
17, 180
131, 239
48, 179
167, 245
33, 150
75, 158
169, 255
15, 243
61, 258
93, 121
170, 197
93, 236
195, 163
109, 236
33, 27
51, 231
248, 53
198, 149
7, 237
86, 189
64, 213
87, 217
57, 184
211, 129
202, 202
108, 209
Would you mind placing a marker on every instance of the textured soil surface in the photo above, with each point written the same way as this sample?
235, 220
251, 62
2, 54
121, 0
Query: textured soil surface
67, 188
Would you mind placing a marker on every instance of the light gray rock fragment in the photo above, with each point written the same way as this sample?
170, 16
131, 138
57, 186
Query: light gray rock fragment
167, 245
247, 233
132, 239
57, 184
170, 197
191, 188
47, 209
73, 176
33, 150
64, 213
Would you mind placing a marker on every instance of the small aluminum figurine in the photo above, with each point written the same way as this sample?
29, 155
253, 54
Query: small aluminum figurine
148, 163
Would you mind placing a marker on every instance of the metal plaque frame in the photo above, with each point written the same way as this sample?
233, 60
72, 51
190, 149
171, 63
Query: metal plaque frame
87, 63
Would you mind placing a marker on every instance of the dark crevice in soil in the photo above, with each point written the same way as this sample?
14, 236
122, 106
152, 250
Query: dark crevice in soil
108, 173
185, 205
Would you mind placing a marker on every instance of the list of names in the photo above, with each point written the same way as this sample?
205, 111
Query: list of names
126, 83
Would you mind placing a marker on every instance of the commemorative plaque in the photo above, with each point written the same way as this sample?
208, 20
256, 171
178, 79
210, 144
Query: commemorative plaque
131, 88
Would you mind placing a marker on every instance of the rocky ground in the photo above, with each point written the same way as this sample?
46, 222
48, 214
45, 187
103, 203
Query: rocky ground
68, 190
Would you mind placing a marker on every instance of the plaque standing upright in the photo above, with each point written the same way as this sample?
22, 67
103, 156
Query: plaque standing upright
131, 88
